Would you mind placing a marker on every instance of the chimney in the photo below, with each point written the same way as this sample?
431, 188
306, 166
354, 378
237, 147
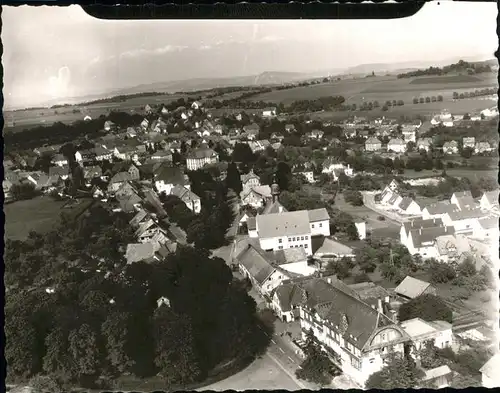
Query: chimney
420, 231
329, 280
387, 299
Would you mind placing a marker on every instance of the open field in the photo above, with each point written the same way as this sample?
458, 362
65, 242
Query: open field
37, 214
44, 116
263, 373
472, 174
385, 88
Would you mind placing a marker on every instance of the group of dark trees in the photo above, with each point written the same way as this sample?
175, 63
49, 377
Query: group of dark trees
427, 100
461, 66
475, 93
103, 318
445, 188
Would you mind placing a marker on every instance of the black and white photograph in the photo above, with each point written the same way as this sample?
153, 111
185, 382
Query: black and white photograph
254, 204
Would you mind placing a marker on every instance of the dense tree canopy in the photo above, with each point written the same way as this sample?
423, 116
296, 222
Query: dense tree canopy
427, 307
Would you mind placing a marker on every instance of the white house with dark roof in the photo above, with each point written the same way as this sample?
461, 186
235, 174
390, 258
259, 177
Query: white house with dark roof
254, 264
486, 228
256, 196
463, 200
249, 180
167, 176
198, 158
438, 210
463, 221
468, 142
269, 112
190, 199
279, 231
353, 334
482, 147
422, 332
408, 206
417, 235
424, 144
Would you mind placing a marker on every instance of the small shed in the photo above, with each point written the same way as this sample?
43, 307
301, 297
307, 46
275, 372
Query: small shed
411, 288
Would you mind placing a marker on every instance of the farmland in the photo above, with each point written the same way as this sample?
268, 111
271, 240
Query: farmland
384, 88
45, 116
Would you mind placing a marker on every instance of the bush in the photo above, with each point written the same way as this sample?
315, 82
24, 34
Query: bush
441, 272
353, 197
381, 218
427, 307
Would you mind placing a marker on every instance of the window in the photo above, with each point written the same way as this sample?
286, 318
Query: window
280, 247
306, 237
302, 238
372, 360
320, 224
312, 225
289, 239
280, 241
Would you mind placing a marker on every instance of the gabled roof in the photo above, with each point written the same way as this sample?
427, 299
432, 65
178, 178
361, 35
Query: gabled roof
489, 222
184, 194
201, 153
318, 215
396, 141
491, 367
170, 175
420, 223
424, 236
290, 255
261, 191
329, 246
283, 224
137, 252
59, 171
141, 215
120, 177
465, 214
369, 292
441, 207
373, 141
247, 176
405, 203
128, 202
411, 287
491, 197
251, 223
256, 263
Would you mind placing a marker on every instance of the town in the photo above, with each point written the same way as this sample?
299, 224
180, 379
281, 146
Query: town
204, 205
332, 238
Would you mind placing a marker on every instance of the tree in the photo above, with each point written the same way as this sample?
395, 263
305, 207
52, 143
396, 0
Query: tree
427, 307
84, 351
421, 100
233, 178
174, 347
242, 153
441, 272
433, 98
317, 367
455, 95
440, 98
385, 108
415, 100
399, 372
401, 102
23, 191
118, 341
283, 175
353, 197
44, 384
467, 268
427, 99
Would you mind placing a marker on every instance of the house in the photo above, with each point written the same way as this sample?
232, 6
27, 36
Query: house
463, 200
257, 146
196, 105
307, 174
482, 147
190, 199
421, 332
97, 192
411, 288
59, 160
142, 252
148, 110
409, 133
164, 111
118, 180
256, 196
251, 131
438, 210
350, 132
166, 177
315, 134
129, 203
490, 112
361, 228
486, 228
62, 171
162, 156
353, 334
102, 154
451, 247
91, 172
284, 230
489, 200
373, 144
254, 264
424, 144
468, 142
490, 377
289, 128
332, 166
249, 180
409, 206
294, 261
418, 223
450, 147
109, 126
47, 150
327, 249
422, 241
463, 221
269, 112
198, 158
438, 377
125, 152
396, 145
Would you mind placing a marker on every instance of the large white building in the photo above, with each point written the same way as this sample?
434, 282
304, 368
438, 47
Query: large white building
490, 375
279, 231
198, 158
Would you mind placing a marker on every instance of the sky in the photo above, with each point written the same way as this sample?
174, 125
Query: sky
61, 52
